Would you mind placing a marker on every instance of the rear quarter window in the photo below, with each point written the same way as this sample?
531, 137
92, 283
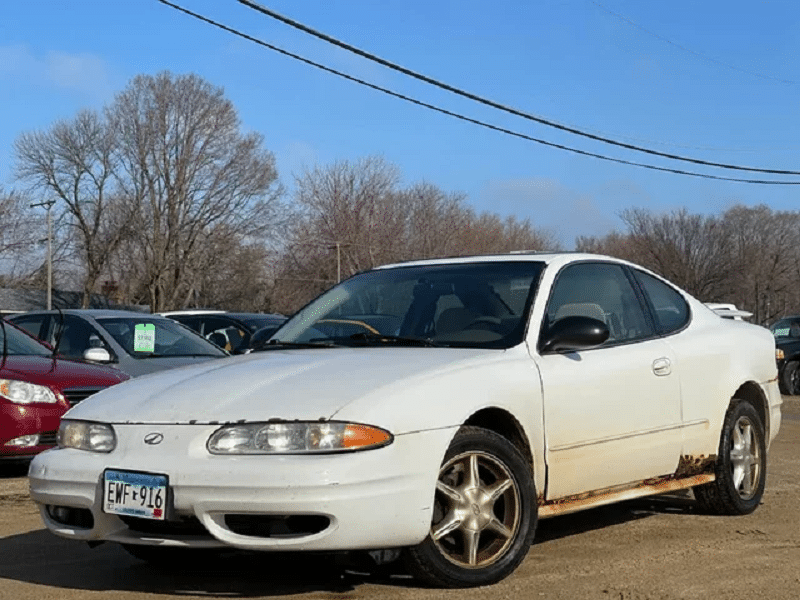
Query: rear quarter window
670, 310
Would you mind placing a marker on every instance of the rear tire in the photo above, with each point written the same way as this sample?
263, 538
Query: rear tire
741, 467
790, 378
484, 515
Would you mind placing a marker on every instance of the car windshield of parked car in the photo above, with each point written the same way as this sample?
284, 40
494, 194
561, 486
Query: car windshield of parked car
477, 305
786, 328
148, 338
18, 343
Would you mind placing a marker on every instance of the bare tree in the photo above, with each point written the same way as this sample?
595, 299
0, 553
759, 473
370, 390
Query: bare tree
20, 235
765, 248
693, 251
74, 162
187, 168
355, 217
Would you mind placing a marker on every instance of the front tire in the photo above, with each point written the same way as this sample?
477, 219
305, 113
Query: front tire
741, 467
484, 515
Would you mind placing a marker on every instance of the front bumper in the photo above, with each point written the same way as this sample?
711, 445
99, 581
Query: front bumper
372, 499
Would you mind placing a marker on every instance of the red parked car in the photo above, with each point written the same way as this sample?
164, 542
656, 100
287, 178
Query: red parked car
36, 389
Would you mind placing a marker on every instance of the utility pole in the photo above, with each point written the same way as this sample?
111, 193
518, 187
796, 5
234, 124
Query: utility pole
338, 245
49, 204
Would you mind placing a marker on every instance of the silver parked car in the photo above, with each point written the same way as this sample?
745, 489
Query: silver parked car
135, 343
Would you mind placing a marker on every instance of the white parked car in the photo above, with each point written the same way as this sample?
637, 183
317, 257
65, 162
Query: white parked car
439, 407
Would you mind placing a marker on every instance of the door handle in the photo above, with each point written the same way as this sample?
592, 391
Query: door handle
662, 366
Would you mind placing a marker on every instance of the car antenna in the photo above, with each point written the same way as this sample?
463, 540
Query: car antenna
60, 330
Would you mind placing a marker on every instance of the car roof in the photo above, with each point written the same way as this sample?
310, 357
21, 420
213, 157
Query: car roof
516, 256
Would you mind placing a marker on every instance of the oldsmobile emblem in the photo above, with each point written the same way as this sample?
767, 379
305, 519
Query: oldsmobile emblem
154, 438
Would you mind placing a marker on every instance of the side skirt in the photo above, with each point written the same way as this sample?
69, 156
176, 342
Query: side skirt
639, 489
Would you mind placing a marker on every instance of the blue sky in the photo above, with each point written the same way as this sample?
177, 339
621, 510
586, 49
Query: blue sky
713, 80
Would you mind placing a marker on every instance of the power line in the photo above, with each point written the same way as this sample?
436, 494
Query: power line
689, 50
493, 104
463, 117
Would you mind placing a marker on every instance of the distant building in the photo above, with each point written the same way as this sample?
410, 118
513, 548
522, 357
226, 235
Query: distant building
14, 300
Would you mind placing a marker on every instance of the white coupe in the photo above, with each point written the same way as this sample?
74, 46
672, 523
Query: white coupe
437, 407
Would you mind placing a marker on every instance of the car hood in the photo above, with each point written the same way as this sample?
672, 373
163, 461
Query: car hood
58, 373
285, 384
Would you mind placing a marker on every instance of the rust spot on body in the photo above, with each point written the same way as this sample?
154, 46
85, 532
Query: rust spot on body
691, 471
695, 465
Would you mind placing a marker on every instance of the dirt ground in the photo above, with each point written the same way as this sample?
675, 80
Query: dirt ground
653, 549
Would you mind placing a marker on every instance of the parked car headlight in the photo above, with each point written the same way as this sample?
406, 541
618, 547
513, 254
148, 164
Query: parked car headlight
296, 438
22, 392
779, 354
83, 435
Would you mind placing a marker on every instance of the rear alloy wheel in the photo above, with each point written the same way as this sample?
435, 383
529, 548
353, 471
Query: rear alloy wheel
484, 513
741, 467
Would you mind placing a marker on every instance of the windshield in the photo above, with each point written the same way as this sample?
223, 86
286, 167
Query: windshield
786, 328
21, 344
147, 338
475, 305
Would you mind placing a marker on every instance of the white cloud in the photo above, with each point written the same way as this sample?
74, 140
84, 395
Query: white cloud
84, 73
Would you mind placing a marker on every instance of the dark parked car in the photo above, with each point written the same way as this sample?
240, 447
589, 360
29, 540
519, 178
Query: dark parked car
135, 343
787, 353
234, 331
36, 389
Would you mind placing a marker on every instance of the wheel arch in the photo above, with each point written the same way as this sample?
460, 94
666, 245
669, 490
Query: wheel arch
503, 423
752, 393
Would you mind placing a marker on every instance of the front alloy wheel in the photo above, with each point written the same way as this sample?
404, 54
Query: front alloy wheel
484, 513
476, 511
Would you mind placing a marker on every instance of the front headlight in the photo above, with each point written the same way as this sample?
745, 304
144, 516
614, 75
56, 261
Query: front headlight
779, 354
22, 392
296, 437
83, 435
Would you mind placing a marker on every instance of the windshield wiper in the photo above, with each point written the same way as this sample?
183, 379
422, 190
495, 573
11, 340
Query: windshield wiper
370, 337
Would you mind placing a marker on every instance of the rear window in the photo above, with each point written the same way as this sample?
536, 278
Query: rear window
786, 328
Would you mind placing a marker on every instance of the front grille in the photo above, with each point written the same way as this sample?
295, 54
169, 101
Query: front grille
75, 395
183, 526
47, 438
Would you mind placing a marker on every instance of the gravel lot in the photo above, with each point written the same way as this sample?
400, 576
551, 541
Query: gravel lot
654, 549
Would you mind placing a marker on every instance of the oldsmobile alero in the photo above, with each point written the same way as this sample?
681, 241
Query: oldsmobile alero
436, 407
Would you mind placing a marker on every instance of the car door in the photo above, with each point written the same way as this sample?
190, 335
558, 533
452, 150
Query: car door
612, 414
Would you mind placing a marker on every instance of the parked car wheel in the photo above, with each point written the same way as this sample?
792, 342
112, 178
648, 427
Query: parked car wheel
790, 379
484, 514
741, 467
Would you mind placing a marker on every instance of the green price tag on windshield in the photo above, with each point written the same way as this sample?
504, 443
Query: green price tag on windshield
144, 339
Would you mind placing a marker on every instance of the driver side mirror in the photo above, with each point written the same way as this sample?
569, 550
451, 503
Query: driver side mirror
100, 355
574, 333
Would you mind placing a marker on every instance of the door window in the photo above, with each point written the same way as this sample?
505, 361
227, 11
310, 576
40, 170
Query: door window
601, 291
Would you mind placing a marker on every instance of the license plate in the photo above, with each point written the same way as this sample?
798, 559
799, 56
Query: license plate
135, 494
